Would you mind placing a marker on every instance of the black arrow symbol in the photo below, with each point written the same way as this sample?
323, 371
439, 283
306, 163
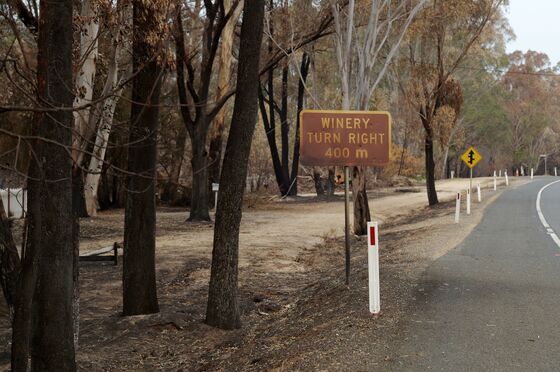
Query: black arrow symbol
471, 157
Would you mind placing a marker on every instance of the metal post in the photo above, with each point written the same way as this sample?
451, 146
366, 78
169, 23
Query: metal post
470, 187
347, 221
215, 201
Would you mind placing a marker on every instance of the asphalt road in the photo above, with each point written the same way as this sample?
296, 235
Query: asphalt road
493, 303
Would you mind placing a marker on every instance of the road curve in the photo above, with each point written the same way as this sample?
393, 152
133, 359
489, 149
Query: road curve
493, 303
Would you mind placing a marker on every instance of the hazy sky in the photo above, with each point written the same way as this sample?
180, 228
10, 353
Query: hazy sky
536, 24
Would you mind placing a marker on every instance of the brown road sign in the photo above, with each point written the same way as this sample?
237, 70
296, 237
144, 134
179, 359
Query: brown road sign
345, 138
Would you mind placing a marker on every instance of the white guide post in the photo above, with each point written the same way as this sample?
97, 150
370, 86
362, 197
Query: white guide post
452, 174
215, 188
373, 268
478, 192
532, 173
495, 182
507, 179
458, 207
500, 173
555, 172
468, 201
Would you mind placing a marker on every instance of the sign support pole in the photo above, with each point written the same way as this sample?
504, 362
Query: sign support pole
347, 221
470, 187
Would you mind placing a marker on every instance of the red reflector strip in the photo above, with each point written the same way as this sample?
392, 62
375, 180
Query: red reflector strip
372, 235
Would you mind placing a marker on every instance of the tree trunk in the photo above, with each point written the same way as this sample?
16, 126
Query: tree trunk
46, 317
269, 123
304, 70
102, 119
285, 131
331, 182
85, 78
224, 76
21, 333
318, 182
223, 303
430, 170
361, 205
10, 264
77, 193
200, 188
139, 272
172, 185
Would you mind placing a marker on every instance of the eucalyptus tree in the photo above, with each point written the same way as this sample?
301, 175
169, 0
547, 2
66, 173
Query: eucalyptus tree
367, 38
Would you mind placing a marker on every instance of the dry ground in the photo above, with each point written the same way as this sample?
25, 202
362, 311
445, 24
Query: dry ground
297, 314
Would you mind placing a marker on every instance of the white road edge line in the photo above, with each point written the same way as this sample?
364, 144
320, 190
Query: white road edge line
541, 216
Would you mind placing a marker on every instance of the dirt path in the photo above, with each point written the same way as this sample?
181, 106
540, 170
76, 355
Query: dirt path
289, 252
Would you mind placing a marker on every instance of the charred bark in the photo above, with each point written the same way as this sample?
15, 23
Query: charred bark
10, 264
430, 169
171, 187
223, 302
200, 187
139, 274
286, 177
43, 326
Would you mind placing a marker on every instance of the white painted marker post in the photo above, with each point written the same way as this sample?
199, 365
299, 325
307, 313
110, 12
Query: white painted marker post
458, 207
495, 182
373, 268
478, 193
468, 201
452, 174
500, 173
507, 179
555, 172
215, 188
532, 173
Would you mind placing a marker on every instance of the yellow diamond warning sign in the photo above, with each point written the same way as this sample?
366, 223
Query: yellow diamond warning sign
471, 157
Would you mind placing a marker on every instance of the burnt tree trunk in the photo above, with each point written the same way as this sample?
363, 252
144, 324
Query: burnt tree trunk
285, 132
10, 264
21, 334
194, 96
361, 206
43, 327
172, 185
139, 274
430, 169
286, 177
304, 70
223, 302
318, 182
331, 182
200, 188
269, 123
77, 200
